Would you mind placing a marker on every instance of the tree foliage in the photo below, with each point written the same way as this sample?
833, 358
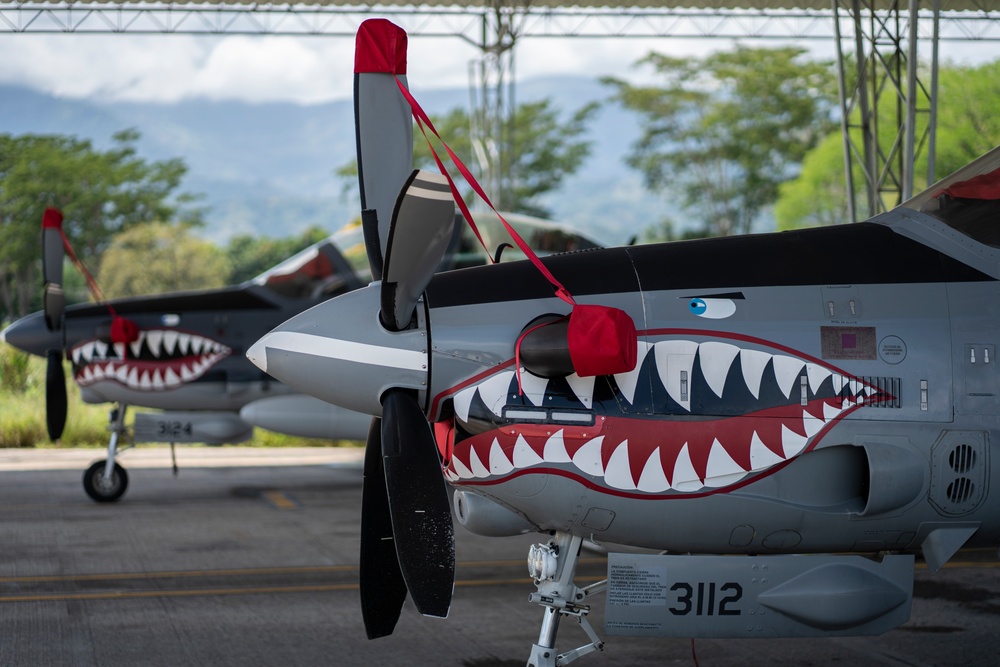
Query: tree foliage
99, 192
543, 150
724, 131
968, 126
156, 257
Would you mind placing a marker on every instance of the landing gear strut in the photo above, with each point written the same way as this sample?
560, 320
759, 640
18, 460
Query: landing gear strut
553, 566
106, 481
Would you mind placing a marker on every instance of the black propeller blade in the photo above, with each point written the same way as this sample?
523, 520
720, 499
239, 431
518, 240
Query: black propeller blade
54, 304
407, 534
422, 525
55, 395
53, 253
382, 587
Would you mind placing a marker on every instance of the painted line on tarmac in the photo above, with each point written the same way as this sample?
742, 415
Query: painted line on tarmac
280, 500
236, 572
246, 590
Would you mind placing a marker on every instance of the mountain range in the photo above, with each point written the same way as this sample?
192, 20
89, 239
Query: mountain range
268, 169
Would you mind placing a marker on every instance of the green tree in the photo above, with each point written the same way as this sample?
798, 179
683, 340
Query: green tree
99, 192
818, 195
544, 149
250, 256
158, 257
724, 131
968, 126
968, 118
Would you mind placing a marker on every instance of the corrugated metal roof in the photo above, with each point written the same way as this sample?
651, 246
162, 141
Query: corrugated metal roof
986, 6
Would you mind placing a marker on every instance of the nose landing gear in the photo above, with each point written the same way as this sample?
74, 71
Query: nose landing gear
553, 567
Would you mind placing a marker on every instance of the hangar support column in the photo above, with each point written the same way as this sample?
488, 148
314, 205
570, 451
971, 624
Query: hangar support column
888, 114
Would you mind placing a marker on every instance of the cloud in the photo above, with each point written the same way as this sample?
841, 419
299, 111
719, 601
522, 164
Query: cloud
307, 70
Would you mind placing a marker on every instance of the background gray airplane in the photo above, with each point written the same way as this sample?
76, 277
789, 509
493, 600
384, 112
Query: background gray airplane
186, 356
793, 417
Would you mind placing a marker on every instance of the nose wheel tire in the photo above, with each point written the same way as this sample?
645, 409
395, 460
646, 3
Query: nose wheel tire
101, 491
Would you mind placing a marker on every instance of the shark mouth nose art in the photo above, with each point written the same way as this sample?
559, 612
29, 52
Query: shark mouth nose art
735, 409
158, 359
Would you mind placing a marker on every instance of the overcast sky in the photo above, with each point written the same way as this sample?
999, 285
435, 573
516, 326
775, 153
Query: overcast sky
168, 68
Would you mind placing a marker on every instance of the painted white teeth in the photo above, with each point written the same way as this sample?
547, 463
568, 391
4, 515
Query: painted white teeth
100, 349
169, 341
753, 363
618, 474
477, 467
791, 442
524, 455
183, 342
786, 372
196, 343
462, 402
461, 469
120, 350
170, 378
494, 391
583, 387
817, 375
761, 457
555, 449
136, 345
627, 381
499, 463
685, 478
588, 458
812, 425
720, 463
533, 387
716, 359
153, 340
674, 361
652, 479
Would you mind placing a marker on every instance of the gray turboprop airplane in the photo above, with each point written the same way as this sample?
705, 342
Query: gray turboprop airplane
185, 354
801, 413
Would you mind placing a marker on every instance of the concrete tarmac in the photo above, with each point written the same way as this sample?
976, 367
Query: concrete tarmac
249, 557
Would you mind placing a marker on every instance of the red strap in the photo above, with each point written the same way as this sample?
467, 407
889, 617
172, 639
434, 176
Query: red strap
122, 330
421, 116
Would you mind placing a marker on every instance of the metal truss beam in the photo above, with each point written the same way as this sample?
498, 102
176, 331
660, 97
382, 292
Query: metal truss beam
461, 22
888, 100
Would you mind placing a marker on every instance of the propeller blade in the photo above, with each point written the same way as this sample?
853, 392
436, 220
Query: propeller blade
421, 231
55, 395
53, 253
418, 502
383, 590
383, 126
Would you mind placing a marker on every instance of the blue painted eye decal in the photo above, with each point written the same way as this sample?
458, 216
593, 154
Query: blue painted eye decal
713, 309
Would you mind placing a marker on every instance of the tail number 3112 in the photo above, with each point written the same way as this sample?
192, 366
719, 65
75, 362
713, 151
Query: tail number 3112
706, 599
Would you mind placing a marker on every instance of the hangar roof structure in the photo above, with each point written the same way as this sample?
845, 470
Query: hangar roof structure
877, 38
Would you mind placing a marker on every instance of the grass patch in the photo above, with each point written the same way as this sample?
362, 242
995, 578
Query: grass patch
22, 412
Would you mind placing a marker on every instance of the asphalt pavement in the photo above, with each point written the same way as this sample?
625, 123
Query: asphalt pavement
250, 557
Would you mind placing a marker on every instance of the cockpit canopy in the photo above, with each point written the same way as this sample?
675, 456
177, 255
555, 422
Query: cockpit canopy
340, 262
968, 201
